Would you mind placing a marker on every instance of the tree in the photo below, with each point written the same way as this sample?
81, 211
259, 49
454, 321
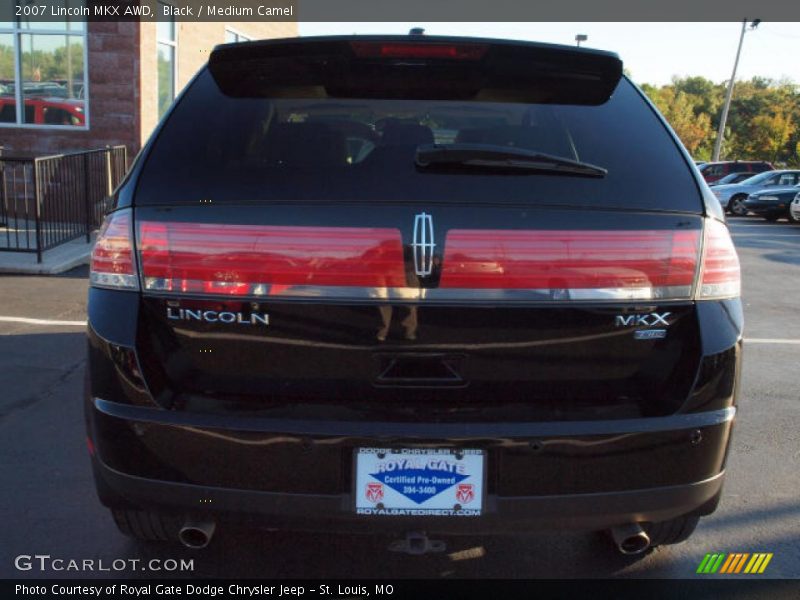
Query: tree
678, 109
692, 129
771, 134
706, 96
763, 123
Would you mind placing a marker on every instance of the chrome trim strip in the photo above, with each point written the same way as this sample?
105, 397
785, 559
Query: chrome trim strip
411, 294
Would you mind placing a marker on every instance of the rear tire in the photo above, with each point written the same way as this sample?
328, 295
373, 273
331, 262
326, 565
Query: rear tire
146, 526
673, 531
736, 205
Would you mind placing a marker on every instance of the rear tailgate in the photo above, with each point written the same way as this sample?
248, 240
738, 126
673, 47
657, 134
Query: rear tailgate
527, 314
294, 260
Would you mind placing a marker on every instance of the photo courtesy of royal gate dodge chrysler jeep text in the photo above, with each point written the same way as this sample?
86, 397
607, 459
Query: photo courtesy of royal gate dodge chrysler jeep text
412, 284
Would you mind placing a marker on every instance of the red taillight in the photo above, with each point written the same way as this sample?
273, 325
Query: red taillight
240, 260
580, 264
113, 263
721, 275
417, 50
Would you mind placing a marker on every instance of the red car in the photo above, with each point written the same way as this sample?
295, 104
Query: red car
44, 111
713, 171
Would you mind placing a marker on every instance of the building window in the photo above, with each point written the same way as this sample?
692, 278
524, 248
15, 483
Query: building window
167, 43
232, 36
43, 73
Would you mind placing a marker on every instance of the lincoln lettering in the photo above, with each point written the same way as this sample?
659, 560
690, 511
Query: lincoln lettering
213, 316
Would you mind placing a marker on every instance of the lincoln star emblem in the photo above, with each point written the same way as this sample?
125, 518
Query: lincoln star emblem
423, 244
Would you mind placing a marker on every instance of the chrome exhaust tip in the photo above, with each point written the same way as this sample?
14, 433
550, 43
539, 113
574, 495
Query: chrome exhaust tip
630, 538
197, 534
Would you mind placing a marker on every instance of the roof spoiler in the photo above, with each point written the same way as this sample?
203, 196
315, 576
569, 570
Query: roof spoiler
416, 67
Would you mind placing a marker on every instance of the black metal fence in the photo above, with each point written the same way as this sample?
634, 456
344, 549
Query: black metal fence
51, 200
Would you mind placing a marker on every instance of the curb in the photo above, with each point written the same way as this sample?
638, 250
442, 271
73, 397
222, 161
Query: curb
54, 261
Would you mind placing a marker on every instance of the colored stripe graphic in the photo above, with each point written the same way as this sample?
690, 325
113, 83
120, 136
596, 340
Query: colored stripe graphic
741, 562
765, 563
703, 563
711, 562
734, 563
726, 566
754, 561
717, 563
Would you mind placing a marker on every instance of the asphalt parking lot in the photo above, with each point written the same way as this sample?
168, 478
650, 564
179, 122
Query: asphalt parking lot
48, 505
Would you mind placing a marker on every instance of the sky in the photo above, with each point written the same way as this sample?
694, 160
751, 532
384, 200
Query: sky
651, 52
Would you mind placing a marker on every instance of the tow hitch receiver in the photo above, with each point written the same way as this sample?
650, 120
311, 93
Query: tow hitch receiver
417, 543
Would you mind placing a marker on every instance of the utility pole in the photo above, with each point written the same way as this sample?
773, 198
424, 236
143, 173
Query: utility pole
727, 105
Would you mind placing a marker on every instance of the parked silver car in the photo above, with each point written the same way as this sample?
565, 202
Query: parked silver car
732, 196
794, 209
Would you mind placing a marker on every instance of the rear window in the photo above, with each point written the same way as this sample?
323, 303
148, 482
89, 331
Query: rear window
225, 149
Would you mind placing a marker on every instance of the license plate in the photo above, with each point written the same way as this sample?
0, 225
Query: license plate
419, 482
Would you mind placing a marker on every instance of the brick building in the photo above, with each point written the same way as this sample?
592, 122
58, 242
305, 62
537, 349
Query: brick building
71, 86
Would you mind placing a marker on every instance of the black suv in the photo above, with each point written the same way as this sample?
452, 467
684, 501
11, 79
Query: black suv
412, 284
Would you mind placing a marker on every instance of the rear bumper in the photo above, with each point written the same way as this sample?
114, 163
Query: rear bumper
333, 512
298, 474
